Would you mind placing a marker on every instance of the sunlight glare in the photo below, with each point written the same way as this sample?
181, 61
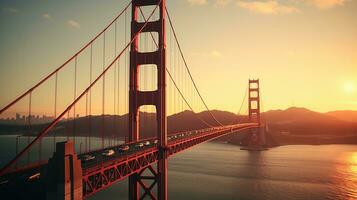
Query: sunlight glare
349, 87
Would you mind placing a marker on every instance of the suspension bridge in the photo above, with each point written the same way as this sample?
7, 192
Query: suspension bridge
137, 73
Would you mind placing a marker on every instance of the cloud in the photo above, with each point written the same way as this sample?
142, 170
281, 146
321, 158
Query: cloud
12, 10
46, 16
197, 2
350, 102
271, 6
267, 7
326, 4
216, 54
212, 54
221, 2
73, 24
206, 2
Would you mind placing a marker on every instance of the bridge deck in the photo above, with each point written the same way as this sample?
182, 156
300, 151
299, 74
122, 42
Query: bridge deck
101, 173
104, 170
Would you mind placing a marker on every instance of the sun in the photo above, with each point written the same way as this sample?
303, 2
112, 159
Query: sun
349, 87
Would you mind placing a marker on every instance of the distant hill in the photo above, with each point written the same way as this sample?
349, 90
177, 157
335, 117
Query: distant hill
292, 121
302, 126
296, 115
118, 125
303, 121
346, 115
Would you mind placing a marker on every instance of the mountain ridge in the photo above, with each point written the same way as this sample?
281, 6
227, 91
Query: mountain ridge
294, 120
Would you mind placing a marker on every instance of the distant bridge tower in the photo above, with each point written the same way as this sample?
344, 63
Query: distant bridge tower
254, 101
156, 98
256, 138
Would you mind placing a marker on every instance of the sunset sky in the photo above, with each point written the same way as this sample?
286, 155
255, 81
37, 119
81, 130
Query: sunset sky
303, 51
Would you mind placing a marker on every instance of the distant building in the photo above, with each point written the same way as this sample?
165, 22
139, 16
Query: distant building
23, 120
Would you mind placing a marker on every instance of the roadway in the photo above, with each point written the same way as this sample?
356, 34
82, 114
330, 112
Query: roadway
31, 175
134, 147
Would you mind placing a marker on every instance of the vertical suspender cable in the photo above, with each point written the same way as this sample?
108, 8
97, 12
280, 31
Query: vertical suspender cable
240, 108
29, 126
115, 84
125, 75
188, 71
46, 130
90, 97
65, 63
55, 111
74, 98
86, 135
103, 93
17, 149
182, 86
67, 126
118, 107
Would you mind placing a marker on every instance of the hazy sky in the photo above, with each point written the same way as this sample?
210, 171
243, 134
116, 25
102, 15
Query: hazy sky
303, 51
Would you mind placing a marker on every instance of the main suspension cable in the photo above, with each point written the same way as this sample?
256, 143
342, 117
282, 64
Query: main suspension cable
173, 81
53, 123
188, 70
65, 63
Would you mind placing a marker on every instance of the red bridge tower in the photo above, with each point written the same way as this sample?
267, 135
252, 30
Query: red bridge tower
256, 138
156, 98
254, 101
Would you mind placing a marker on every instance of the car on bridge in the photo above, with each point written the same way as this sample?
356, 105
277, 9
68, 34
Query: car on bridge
34, 177
108, 152
3, 182
123, 148
171, 137
139, 144
147, 143
86, 158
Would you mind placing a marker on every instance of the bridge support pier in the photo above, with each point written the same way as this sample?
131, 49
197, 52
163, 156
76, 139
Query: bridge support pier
141, 185
255, 140
62, 176
162, 175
